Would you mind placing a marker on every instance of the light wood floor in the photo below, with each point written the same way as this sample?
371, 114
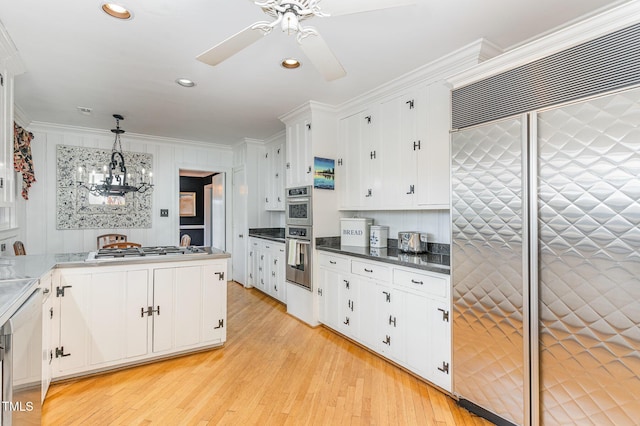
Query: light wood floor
273, 370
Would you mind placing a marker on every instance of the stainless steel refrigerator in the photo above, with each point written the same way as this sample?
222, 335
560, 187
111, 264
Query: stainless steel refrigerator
546, 264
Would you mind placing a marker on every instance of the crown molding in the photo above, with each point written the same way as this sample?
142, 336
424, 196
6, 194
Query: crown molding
579, 32
38, 126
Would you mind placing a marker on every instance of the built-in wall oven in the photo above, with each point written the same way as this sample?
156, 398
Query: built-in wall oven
298, 206
21, 342
298, 252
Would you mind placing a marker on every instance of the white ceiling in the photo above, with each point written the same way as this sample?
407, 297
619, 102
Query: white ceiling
77, 56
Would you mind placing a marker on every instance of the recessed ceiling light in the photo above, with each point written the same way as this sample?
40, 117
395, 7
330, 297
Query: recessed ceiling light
115, 10
185, 82
290, 63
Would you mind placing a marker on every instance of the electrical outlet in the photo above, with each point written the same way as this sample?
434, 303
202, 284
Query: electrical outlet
164, 212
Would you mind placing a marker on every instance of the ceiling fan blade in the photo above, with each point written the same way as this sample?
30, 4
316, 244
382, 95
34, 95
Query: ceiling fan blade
322, 57
342, 7
230, 46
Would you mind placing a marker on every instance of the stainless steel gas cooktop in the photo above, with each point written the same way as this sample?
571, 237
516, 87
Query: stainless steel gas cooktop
133, 252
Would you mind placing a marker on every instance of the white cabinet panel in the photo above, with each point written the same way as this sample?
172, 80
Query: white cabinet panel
104, 317
299, 164
401, 313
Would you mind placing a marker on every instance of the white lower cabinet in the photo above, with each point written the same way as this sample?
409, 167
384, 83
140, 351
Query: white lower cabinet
400, 313
114, 315
267, 267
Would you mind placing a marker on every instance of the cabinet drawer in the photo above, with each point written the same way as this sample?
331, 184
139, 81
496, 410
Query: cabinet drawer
334, 262
432, 284
370, 270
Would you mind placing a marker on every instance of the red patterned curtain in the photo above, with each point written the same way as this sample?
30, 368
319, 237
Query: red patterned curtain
22, 159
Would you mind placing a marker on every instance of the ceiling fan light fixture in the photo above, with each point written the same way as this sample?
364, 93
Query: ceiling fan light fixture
289, 22
116, 10
290, 63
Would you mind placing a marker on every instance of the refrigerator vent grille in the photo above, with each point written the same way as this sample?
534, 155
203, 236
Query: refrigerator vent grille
601, 65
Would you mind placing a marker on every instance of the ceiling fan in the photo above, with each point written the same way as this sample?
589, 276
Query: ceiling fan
288, 14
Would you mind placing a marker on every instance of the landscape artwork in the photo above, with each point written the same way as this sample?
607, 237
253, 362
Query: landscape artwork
323, 173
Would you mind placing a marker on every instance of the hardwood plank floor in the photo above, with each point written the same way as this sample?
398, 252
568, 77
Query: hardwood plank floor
273, 370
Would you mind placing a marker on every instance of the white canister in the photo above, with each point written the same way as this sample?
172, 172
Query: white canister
378, 236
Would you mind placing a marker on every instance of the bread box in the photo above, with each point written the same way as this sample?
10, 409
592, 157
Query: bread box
355, 231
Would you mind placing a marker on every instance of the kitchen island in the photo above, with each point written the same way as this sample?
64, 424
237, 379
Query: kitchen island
103, 314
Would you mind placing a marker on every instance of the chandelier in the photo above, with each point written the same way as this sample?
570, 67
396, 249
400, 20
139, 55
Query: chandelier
117, 180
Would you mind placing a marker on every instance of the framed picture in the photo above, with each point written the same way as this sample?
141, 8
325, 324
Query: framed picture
187, 204
324, 173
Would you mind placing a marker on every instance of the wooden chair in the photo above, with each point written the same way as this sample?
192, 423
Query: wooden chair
110, 239
185, 241
122, 244
18, 248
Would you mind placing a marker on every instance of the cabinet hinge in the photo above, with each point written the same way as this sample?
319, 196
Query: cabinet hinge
346, 321
308, 126
445, 367
410, 103
445, 314
387, 340
339, 161
220, 276
372, 155
387, 296
266, 155
149, 312
392, 320
50, 313
1, 80
220, 324
412, 190
368, 118
416, 145
320, 292
60, 290
60, 352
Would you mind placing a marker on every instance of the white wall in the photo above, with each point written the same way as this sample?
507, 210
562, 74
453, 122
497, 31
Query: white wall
38, 225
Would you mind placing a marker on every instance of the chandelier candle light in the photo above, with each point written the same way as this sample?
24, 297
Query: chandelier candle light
117, 181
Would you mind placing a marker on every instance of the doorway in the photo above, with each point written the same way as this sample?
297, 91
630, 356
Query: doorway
202, 208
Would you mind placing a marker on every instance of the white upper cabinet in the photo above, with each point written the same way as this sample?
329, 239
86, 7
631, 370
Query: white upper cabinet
434, 164
394, 154
358, 166
299, 157
274, 176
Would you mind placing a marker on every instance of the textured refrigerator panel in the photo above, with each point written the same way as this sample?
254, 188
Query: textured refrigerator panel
487, 267
589, 226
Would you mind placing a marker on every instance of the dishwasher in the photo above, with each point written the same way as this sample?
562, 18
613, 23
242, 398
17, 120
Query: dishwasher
21, 354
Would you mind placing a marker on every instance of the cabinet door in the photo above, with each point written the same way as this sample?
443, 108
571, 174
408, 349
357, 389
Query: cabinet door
349, 305
252, 263
278, 175
47, 334
368, 313
331, 308
440, 349
390, 322
177, 295
434, 163
359, 160
299, 166
118, 329
403, 133
73, 326
214, 305
416, 321
349, 173
278, 271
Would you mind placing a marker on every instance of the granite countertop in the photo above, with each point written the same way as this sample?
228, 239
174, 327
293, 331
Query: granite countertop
436, 260
271, 234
